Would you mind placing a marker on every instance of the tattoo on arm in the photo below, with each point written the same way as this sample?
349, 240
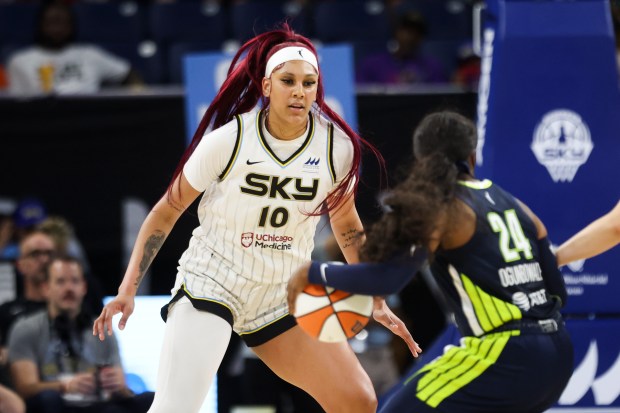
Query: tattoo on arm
351, 237
151, 247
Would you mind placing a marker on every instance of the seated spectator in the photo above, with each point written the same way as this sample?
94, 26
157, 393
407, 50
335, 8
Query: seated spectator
14, 226
7, 245
10, 402
57, 364
66, 243
4, 83
63, 234
35, 252
406, 63
467, 73
57, 65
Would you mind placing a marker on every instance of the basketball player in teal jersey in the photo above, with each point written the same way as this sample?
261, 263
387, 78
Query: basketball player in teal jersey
492, 260
265, 176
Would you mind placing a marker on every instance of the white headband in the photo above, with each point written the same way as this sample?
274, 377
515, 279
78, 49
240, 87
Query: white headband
290, 53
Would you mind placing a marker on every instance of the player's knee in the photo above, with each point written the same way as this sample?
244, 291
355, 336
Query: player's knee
367, 403
362, 400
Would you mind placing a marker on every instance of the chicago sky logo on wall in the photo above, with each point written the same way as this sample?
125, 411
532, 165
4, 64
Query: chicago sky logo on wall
562, 143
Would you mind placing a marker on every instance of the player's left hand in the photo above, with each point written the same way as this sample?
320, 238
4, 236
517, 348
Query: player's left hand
385, 316
297, 282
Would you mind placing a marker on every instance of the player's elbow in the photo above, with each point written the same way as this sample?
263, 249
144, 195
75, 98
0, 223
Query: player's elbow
616, 230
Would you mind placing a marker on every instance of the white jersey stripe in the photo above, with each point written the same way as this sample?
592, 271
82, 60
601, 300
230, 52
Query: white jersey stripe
233, 158
330, 151
466, 304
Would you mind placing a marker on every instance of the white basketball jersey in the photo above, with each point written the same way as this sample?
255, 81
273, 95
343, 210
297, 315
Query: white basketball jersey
254, 220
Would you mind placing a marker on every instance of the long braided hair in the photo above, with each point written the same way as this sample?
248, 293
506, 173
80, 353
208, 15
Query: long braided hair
442, 142
242, 91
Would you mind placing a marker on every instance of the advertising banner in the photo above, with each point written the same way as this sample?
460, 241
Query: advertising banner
205, 73
548, 120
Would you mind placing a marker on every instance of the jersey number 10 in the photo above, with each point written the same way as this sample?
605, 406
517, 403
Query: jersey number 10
278, 218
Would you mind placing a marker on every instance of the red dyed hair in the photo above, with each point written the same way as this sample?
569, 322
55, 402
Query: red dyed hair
242, 90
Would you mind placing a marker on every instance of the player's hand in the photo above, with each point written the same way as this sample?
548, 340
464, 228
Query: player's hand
123, 303
298, 281
385, 316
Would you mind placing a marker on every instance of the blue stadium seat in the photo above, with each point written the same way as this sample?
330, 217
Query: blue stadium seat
192, 21
445, 51
447, 20
145, 57
364, 49
351, 21
109, 22
17, 22
176, 52
254, 17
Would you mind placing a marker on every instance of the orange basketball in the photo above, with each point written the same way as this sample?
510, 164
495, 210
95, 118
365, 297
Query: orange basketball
331, 315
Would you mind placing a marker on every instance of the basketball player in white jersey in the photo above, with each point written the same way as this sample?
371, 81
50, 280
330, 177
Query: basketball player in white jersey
266, 176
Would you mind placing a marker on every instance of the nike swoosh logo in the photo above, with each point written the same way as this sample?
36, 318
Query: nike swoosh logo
252, 163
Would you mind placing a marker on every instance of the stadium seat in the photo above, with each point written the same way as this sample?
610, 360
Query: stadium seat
109, 22
447, 20
191, 22
175, 55
351, 21
145, 57
17, 22
445, 51
254, 17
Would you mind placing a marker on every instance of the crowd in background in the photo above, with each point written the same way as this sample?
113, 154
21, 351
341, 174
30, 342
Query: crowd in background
42, 246
142, 42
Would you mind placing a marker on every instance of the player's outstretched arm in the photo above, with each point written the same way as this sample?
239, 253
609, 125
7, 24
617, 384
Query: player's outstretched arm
151, 237
594, 239
347, 228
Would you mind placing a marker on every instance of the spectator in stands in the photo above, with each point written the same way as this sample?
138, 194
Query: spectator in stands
10, 402
29, 213
35, 253
57, 65
7, 246
467, 73
57, 364
406, 63
63, 234
66, 243
4, 83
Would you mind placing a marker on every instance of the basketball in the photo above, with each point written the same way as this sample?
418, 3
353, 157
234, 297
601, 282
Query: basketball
332, 315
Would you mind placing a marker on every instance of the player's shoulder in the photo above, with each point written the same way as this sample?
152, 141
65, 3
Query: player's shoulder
23, 55
322, 124
227, 130
343, 145
31, 323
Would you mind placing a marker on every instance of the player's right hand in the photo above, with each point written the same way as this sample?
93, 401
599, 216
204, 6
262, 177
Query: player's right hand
123, 303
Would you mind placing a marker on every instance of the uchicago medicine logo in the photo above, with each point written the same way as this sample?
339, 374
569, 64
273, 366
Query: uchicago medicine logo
562, 143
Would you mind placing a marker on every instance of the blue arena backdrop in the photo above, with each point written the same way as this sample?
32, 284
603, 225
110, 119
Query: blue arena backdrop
205, 72
548, 117
140, 344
